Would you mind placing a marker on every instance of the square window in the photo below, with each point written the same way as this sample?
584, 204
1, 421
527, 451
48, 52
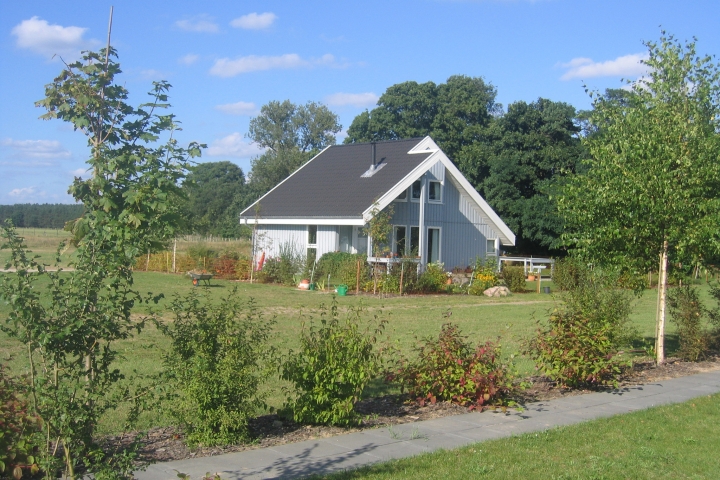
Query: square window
490, 247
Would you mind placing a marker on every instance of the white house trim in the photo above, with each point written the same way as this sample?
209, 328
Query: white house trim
304, 221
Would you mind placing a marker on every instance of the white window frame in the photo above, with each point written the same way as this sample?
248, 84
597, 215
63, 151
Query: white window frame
440, 200
307, 237
395, 239
410, 193
440, 257
494, 247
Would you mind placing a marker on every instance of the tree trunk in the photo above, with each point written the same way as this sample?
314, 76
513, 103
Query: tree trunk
662, 300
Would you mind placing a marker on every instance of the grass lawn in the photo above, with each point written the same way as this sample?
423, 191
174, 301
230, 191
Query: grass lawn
676, 441
480, 318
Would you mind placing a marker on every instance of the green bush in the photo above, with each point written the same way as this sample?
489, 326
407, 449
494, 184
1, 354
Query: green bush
485, 276
514, 278
433, 279
688, 313
283, 268
216, 364
342, 268
449, 368
19, 428
580, 342
335, 362
568, 273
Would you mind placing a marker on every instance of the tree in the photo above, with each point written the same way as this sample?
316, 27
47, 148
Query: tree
213, 190
292, 135
72, 321
651, 194
455, 114
530, 150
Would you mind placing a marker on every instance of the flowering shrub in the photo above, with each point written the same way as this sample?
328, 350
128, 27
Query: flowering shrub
485, 276
449, 368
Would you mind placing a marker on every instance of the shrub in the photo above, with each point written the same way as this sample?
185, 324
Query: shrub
335, 362
283, 268
216, 364
485, 276
580, 343
342, 268
449, 368
568, 273
18, 429
433, 279
687, 312
514, 278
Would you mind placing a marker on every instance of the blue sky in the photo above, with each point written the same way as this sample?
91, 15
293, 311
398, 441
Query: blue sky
225, 59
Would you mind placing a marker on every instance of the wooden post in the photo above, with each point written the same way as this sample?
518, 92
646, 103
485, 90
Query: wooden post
357, 283
174, 252
147, 263
402, 273
539, 277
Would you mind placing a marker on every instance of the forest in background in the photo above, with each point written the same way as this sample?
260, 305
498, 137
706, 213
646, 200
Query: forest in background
36, 215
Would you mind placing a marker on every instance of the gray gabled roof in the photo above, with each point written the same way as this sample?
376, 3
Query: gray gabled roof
332, 185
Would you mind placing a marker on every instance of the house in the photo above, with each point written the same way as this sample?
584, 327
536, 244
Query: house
325, 204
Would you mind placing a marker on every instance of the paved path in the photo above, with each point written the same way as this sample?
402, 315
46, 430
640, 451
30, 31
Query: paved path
348, 451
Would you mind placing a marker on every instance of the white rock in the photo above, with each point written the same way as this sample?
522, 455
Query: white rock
497, 292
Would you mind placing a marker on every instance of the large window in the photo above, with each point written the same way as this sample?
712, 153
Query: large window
433, 245
399, 242
414, 241
435, 192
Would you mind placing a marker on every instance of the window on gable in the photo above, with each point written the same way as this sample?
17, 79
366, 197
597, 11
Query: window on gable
402, 197
435, 191
415, 190
312, 235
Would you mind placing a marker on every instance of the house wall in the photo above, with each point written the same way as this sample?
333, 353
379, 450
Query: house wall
271, 238
463, 234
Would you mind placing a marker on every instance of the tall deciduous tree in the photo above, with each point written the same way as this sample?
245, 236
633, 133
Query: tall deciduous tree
455, 114
213, 189
292, 134
651, 195
529, 151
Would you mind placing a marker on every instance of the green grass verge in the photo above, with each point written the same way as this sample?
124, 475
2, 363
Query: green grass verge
676, 441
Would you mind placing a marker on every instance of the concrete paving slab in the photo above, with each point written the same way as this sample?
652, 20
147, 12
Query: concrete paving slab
368, 440
309, 449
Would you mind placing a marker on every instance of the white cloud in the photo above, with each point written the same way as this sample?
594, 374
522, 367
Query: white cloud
189, 59
625, 66
226, 67
254, 21
238, 108
48, 149
25, 194
79, 172
233, 146
355, 99
40, 37
152, 74
200, 23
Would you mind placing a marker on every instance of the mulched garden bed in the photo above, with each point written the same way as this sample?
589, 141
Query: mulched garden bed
164, 444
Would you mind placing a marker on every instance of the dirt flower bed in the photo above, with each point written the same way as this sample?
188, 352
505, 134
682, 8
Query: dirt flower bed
166, 443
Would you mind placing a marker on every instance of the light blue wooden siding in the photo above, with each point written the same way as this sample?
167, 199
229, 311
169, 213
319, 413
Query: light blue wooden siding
272, 237
463, 233
327, 239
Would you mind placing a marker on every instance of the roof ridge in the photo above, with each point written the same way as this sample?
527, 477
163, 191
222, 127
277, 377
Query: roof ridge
379, 141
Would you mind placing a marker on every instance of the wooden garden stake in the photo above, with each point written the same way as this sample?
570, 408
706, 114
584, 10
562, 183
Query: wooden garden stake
402, 272
357, 282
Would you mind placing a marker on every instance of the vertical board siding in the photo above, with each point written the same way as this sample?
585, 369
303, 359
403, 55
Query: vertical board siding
463, 229
272, 237
328, 240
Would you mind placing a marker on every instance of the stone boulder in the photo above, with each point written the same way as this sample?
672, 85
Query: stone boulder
497, 292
